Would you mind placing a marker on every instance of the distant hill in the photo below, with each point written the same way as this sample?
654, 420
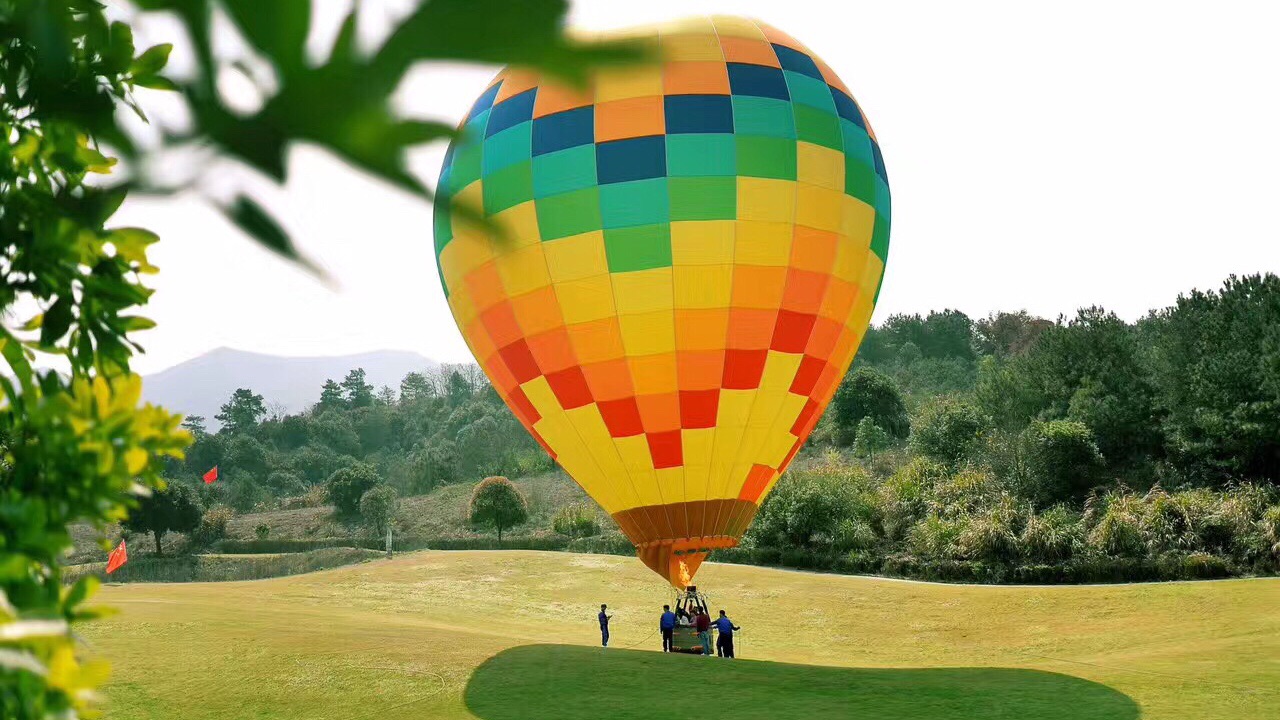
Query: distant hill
200, 385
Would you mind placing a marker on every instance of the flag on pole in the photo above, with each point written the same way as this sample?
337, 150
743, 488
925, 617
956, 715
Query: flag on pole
210, 476
118, 557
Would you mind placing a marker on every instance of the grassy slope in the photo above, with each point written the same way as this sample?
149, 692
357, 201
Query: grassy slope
448, 635
440, 513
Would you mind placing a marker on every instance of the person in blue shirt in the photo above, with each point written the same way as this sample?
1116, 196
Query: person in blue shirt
604, 626
667, 624
724, 640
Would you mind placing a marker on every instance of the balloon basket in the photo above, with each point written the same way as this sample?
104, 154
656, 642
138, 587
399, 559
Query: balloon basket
685, 638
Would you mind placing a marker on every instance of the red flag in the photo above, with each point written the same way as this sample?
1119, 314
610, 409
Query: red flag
118, 557
210, 476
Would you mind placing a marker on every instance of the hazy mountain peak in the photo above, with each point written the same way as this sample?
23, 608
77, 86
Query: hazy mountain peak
200, 385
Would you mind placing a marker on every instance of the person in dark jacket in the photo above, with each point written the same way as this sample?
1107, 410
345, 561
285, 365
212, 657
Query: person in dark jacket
724, 640
667, 624
604, 626
703, 625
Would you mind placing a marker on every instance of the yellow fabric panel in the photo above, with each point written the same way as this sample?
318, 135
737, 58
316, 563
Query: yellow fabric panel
615, 483
523, 269
763, 243
766, 200
519, 225
737, 27
623, 83
820, 166
687, 46
634, 452
642, 291
648, 333
576, 257
707, 242
819, 207
703, 286
586, 300
858, 222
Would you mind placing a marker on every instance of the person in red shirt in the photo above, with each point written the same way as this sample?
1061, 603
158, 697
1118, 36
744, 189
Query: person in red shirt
703, 624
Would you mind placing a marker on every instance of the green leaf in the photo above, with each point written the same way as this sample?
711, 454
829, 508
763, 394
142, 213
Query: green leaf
152, 61
119, 56
155, 82
250, 217
416, 132
276, 27
57, 319
80, 592
489, 31
134, 323
132, 243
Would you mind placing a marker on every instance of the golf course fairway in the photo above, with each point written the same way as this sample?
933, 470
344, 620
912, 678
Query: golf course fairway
512, 634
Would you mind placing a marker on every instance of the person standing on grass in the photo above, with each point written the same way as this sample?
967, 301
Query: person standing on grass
667, 624
724, 641
703, 625
604, 626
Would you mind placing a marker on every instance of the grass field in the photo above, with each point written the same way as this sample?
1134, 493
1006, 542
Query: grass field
507, 635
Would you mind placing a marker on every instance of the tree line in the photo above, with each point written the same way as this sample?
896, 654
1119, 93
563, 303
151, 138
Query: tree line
1014, 441
438, 427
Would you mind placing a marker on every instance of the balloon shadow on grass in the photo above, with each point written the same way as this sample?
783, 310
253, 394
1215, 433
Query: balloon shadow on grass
569, 682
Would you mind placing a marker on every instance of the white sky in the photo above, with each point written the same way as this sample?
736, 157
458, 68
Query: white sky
1040, 156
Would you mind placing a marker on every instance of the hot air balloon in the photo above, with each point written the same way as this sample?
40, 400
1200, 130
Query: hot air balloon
681, 260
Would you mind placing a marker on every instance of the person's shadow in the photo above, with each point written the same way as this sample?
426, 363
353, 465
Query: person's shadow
567, 682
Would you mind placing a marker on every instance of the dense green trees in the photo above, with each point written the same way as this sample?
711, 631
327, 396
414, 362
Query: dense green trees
1088, 448
948, 431
242, 412
867, 392
1216, 370
449, 426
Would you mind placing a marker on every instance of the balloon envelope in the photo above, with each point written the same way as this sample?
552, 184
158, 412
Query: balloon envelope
681, 261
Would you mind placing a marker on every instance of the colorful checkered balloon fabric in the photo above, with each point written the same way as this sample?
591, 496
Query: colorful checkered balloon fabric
688, 253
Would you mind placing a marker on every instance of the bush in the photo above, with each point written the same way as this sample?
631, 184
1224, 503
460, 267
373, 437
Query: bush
867, 392
871, 439
213, 527
1054, 535
378, 509
935, 537
948, 432
1269, 528
807, 508
575, 521
903, 498
347, 485
1063, 460
1116, 521
992, 535
963, 493
497, 503
261, 532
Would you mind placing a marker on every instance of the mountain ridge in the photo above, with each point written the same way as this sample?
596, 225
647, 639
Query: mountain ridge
200, 385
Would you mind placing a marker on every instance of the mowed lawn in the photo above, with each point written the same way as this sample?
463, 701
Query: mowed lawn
507, 635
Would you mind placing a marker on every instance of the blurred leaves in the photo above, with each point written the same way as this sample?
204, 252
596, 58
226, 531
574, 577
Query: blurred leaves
343, 103
77, 445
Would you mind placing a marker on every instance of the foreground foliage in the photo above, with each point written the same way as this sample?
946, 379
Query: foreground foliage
77, 446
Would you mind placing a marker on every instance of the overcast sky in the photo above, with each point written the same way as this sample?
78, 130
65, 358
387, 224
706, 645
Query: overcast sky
1041, 157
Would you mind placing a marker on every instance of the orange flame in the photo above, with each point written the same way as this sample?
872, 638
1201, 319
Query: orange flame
685, 580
